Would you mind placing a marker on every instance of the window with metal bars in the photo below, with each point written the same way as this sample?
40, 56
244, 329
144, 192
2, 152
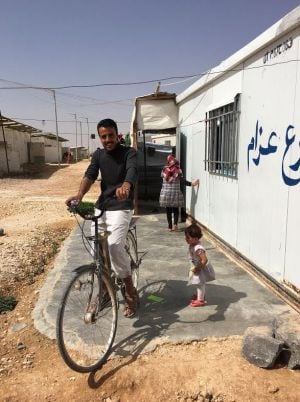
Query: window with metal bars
221, 139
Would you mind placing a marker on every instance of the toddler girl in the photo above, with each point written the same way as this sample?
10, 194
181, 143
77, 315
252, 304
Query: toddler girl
201, 270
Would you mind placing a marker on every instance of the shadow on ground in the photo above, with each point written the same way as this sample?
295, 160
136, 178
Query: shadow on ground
155, 318
36, 171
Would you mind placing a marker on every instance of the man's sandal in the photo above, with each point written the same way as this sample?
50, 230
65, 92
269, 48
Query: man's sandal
131, 304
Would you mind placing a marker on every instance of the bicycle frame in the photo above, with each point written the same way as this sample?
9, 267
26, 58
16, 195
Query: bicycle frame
100, 252
100, 248
101, 257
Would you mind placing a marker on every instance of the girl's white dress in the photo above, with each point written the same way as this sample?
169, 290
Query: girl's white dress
205, 274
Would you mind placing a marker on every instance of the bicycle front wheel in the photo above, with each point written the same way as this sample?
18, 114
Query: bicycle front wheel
131, 248
87, 320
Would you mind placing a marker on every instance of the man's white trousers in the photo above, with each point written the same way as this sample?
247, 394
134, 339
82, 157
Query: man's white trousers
116, 222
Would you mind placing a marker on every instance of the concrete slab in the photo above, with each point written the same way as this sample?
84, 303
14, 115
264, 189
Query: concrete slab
236, 300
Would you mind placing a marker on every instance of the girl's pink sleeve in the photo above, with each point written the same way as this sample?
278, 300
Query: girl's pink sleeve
199, 249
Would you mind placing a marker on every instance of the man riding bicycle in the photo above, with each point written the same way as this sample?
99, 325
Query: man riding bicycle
117, 165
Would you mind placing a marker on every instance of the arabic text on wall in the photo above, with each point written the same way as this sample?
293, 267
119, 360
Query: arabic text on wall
263, 144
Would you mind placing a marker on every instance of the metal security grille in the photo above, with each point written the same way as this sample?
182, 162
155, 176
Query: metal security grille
221, 140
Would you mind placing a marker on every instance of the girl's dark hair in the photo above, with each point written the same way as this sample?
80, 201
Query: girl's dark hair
107, 123
193, 231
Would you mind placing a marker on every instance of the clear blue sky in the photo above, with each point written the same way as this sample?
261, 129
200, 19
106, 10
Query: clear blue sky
74, 42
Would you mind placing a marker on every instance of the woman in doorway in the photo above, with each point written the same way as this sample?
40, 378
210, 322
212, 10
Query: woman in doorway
171, 196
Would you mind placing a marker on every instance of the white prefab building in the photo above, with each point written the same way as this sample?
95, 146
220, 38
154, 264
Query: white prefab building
82, 153
14, 145
156, 113
52, 149
239, 127
164, 139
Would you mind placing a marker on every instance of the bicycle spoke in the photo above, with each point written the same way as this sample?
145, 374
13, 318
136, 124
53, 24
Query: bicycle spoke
131, 248
86, 330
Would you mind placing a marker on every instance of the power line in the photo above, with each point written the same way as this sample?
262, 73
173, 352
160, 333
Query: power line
61, 121
149, 81
103, 84
207, 73
89, 98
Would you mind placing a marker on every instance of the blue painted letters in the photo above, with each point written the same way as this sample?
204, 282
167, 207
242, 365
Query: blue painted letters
261, 150
290, 171
290, 181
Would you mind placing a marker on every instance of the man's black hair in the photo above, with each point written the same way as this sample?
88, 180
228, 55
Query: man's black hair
193, 231
107, 123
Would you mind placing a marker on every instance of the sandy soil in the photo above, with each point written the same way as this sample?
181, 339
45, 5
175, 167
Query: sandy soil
36, 221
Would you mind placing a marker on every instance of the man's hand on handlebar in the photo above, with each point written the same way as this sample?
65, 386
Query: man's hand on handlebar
75, 200
122, 193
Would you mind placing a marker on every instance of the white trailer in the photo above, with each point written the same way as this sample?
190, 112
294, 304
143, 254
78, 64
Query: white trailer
15, 141
239, 127
51, 144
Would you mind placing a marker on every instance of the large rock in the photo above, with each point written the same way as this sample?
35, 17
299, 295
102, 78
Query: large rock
260, 347
289, 332
294, 362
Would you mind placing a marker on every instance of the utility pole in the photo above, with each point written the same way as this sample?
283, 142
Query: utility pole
80, 125
88, 126
5, 144
56, 125
75, 116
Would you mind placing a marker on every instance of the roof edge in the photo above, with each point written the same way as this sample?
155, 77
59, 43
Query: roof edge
156, 96
289, 22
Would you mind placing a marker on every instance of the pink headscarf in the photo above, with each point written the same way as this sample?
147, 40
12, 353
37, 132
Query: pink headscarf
172, 171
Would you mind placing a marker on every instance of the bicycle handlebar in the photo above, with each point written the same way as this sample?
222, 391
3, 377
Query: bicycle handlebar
83, 209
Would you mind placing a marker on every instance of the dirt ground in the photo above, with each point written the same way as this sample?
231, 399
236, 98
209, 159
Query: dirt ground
35, 219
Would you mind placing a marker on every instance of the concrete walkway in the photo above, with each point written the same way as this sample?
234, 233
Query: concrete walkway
235, 299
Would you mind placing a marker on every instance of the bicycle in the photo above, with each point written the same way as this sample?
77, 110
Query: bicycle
87, 318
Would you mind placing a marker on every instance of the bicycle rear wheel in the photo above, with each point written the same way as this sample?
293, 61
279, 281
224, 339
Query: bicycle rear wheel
87, 320
131, 248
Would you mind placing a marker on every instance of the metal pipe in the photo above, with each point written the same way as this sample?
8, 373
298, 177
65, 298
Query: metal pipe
80, 125
5, 144
56, 126
88, 126
75, 116
145, 167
